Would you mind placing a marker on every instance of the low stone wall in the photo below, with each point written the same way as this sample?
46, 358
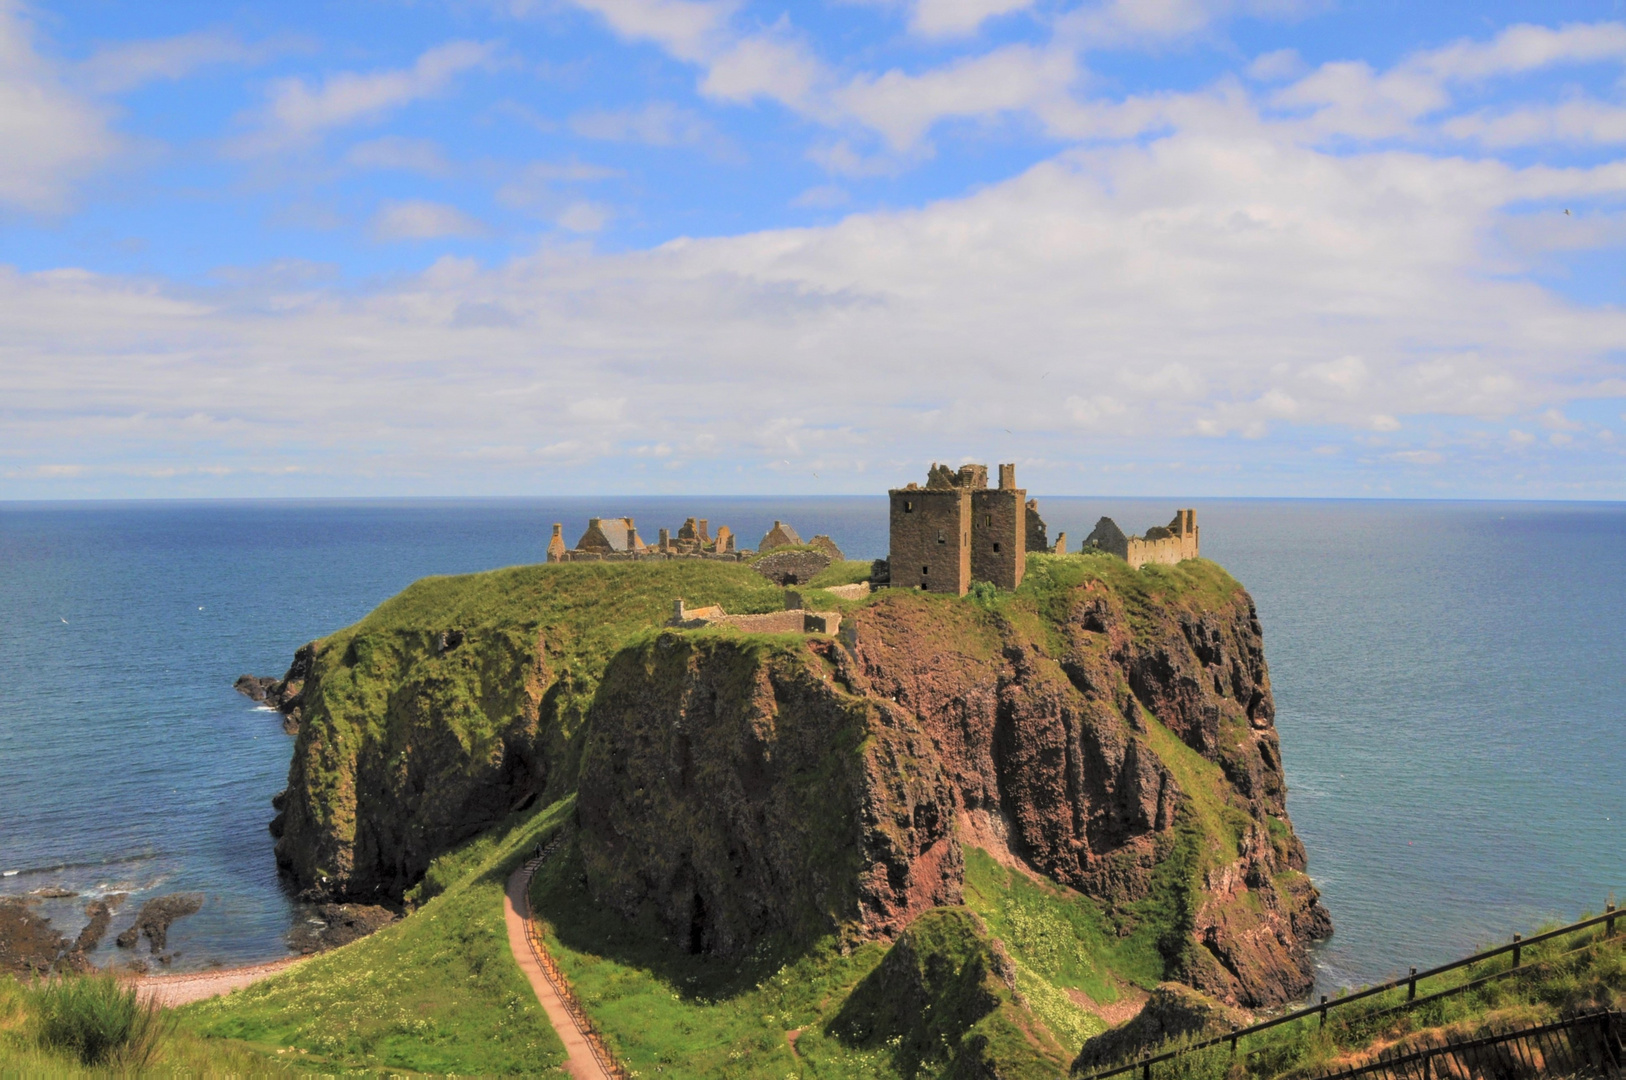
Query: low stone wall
774, 622
650, 556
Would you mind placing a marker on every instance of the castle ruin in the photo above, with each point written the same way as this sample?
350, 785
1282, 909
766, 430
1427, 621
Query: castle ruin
1167, 545
617, 540
957, 530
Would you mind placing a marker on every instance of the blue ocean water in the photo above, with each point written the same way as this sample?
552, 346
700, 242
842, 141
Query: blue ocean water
1450, 681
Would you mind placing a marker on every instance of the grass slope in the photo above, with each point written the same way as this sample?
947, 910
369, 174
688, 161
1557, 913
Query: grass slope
178, 1053
1576, 972
437, 992
666, 1012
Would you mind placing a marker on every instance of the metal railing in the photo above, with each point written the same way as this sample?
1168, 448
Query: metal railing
1410, 981
556, 977
1587, 1046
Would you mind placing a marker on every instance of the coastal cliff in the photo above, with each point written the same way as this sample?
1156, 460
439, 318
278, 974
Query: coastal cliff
1106, 729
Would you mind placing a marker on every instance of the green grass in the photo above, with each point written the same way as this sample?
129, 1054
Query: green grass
666, 1012
59, 1028
1578, 971
437, 992
941, 1004
849, 572
1060, 935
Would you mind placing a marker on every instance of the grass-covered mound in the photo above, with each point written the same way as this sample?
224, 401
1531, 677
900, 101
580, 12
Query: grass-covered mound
474, 688
437, 992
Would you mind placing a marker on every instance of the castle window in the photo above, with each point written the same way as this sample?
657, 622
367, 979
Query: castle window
925, 569
940, 539
996, 547
908, 507
988, 519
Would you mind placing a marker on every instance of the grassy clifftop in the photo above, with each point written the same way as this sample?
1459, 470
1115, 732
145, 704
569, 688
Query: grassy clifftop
459, 699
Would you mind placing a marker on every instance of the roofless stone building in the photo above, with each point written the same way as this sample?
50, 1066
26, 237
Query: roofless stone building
957, 530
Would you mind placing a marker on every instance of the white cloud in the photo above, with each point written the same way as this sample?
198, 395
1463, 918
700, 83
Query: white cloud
904, 107
823, 197
1582, 121
399, 152
1276, 66
117, 68
584, 217
51, 137
299, 110
950, 18
419, 219
659, 123
688, 29
1350, 98
1202, 284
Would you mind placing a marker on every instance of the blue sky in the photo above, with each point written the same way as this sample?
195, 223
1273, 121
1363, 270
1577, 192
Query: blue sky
1204, 247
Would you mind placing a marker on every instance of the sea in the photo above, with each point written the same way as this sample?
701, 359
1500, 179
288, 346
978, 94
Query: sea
1450, 683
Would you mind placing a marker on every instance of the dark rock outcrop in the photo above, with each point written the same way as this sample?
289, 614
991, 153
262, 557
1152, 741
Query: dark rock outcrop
332, 925
154, 919
28, 942
284, 694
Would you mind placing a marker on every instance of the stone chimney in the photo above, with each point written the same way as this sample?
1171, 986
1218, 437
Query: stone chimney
556, 546
1007, 477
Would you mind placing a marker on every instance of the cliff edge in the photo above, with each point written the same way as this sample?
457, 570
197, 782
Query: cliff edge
1107, 729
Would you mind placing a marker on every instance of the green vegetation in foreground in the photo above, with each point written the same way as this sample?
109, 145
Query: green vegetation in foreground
1566, 975
88, 1025
941, 1005
666, 1012
1062, 938
437, 992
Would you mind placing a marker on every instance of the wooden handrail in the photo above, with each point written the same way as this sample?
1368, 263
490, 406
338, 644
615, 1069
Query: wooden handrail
556, 976
1145, 1064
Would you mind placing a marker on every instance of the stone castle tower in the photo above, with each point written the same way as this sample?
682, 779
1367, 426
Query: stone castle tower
957, 530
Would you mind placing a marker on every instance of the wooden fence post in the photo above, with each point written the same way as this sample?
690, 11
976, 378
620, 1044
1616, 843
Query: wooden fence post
1323, 1010
1609, 924
1146, 1069
1411, 986
1516, 940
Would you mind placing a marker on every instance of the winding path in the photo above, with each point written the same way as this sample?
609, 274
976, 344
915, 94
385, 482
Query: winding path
584, 1058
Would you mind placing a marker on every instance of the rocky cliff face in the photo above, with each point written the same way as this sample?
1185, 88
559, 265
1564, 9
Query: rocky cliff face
1115, 735
453, 745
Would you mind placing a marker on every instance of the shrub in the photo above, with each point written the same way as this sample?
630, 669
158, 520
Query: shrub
97, 1018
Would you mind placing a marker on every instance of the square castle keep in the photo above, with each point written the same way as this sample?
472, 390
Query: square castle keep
957, 530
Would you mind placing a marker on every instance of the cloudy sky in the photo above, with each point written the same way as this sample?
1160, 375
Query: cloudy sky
471, 247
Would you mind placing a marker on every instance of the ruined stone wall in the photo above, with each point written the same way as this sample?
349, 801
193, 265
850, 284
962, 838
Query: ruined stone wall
1167, 550
999, 536
931, 539
650, 554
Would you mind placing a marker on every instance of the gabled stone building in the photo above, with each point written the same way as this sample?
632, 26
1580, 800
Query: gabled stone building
957, 530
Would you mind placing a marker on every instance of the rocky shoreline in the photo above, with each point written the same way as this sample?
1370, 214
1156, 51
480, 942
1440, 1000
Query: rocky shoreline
284, 694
